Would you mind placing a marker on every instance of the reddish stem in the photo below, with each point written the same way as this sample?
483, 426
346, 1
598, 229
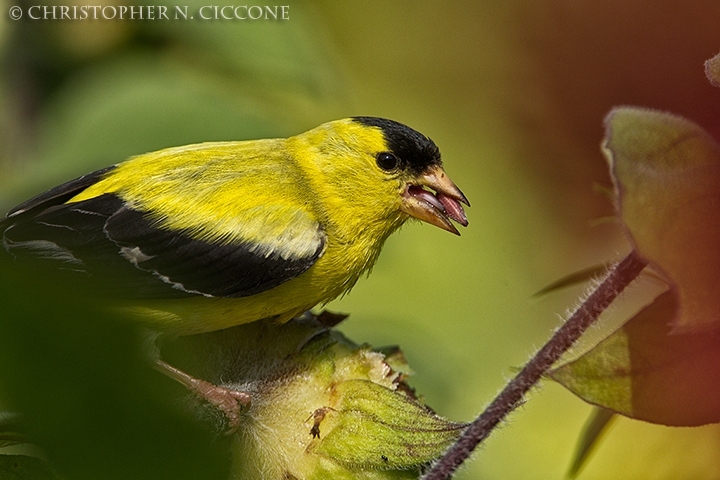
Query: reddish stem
514, 392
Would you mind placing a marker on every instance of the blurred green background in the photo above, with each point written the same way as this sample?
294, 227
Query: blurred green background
513, 92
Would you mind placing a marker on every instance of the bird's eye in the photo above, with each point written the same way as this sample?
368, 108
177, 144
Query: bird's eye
387, 161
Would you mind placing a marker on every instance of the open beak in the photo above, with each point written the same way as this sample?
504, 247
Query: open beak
435, 199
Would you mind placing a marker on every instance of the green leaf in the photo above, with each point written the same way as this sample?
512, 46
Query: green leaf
11, 430
89, 398
647, 371
380, 429
596, 425
581, 276
23, 467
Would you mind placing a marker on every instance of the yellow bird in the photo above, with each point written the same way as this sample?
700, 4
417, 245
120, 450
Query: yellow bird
208, 236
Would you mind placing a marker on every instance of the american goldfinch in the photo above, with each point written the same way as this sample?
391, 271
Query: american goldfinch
204, 237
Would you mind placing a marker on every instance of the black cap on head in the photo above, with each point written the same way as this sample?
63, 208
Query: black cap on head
415, 150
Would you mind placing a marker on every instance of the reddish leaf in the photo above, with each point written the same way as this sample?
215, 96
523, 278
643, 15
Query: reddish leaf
645, 371
667, 176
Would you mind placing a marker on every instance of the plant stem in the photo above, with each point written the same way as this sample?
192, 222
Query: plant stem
514, 392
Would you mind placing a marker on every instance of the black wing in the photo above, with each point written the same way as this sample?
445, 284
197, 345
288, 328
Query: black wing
60, 194
127, 253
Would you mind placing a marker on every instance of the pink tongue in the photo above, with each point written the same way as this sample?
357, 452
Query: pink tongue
453, 209
420, 192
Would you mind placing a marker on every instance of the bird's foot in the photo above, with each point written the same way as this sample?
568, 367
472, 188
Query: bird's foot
229, 401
